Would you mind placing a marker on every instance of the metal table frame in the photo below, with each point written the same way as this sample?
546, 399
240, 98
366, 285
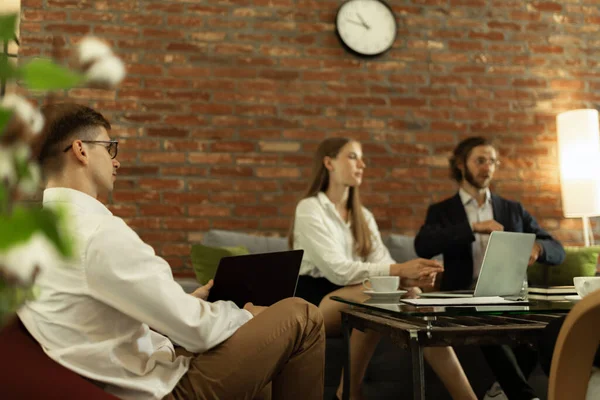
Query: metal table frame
416, 332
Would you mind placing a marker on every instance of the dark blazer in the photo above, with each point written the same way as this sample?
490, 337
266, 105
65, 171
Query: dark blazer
447, 231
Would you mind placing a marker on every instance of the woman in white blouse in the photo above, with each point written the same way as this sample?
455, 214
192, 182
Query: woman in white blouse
342, 246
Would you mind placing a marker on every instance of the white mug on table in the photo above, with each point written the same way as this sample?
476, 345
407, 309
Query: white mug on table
382, 283
585, 285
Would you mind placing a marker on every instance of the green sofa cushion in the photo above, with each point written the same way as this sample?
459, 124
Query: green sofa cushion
579, 261
205, 259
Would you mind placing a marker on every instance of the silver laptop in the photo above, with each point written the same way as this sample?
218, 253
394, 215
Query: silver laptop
503, 269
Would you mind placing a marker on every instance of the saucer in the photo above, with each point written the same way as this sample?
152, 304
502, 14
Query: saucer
574, 298
394, 293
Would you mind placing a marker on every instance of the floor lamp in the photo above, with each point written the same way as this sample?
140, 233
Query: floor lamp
579, 156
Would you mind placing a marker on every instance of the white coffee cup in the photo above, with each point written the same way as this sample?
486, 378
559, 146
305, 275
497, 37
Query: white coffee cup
383, 283
585, 285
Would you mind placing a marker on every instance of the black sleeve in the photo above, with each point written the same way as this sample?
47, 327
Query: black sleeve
553, 252
435, 238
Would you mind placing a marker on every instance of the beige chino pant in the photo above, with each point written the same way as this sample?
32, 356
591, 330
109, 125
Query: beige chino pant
278, 354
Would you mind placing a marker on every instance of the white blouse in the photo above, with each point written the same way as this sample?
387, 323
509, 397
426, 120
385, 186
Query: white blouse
328, 244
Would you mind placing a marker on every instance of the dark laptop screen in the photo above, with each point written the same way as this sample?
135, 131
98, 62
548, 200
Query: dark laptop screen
262, 279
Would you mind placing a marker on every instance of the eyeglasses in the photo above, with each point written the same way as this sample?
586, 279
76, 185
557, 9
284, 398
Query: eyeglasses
492, 162
112, 146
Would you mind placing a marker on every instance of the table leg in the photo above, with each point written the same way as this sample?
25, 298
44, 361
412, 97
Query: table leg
418, 367
346, 329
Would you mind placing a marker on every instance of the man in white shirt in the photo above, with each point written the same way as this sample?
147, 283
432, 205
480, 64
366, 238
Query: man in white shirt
101, 315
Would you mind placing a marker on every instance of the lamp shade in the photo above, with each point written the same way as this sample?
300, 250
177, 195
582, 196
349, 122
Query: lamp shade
579, 156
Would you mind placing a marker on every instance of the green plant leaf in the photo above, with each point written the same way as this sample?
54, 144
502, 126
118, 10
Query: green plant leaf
19, 227
16, 228
22, 168
7, 69
12, 297
49, 221
3, 195
8, 26
45, 75
4, 119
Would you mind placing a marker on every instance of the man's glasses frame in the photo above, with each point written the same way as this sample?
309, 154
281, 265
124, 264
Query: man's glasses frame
489, 161
112, 146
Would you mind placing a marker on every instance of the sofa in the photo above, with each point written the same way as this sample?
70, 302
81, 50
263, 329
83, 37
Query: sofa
389, 375
28, 373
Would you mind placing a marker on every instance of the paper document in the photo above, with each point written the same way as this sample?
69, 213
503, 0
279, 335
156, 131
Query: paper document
461, 301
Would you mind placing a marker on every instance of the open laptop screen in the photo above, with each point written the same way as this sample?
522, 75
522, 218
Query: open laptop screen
262, 279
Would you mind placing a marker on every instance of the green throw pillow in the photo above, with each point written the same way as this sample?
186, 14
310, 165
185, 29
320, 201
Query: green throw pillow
579, 261
205, 259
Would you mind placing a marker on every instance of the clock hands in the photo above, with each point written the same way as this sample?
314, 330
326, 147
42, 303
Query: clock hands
363, 21
365, 27
355, 23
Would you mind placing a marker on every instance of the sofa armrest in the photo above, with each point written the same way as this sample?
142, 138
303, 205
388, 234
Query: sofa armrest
34, 375
254, 243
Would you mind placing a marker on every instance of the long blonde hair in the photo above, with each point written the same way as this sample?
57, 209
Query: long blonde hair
320, 182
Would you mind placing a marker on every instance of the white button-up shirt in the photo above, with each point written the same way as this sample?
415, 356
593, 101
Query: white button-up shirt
94, 314
328, 244
477, 213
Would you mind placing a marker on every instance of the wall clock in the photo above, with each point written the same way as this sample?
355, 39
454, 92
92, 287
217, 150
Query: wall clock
366, 28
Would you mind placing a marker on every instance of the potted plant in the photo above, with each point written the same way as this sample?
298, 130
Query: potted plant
34, 239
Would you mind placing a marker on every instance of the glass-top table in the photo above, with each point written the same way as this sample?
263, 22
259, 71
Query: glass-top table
395, 307
415, 327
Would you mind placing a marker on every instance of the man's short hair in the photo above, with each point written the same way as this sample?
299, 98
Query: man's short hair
65, 122
462, 152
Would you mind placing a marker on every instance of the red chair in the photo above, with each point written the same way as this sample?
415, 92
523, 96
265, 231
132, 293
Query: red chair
28, 373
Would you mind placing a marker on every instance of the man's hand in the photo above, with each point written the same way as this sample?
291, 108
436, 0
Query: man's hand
536, 252
412, 293
254, 310
202, 291
419, 268
488, 226
424, 281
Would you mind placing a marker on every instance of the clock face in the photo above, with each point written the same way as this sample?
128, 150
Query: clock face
367, 27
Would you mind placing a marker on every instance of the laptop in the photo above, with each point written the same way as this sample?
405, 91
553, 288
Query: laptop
262, 279
503, 269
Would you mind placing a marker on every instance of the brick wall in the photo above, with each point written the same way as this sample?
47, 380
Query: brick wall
227, 99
